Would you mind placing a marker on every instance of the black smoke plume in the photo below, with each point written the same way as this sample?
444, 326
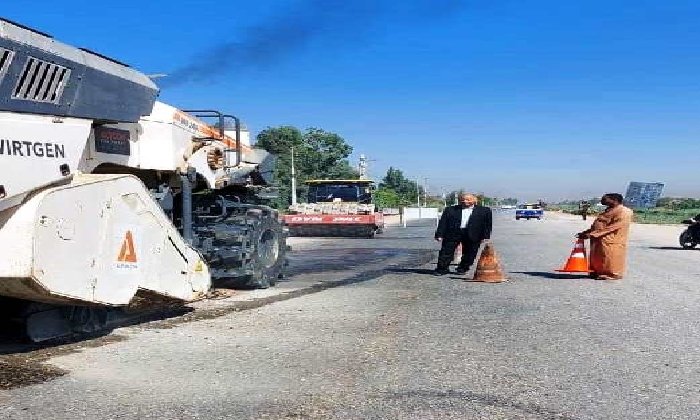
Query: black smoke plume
288, 33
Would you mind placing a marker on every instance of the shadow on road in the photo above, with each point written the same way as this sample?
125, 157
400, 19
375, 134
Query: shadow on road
401, 238
672, 248
411, 270
553, 276
429, 272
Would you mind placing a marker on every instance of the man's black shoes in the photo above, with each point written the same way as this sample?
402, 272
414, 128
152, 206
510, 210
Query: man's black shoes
461, 270
441, 272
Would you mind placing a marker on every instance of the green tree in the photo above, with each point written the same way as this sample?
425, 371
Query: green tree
435, 201
484, 200
318, 154
678, 203
386, 197
280, 141
325, 155
453, 197
406, 189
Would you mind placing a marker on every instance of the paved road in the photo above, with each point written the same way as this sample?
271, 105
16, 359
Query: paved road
405, 344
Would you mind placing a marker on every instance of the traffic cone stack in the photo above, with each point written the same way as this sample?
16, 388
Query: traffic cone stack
577, 262
488, 269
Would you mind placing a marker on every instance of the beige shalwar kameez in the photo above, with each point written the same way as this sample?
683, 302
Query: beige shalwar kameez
609, 234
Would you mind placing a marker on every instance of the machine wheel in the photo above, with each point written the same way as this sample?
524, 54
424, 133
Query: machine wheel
247, 248
517, 218
686, 240
268, 250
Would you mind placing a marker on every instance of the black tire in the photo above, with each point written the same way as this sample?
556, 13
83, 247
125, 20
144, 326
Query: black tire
268, 249
686, 240
517, 218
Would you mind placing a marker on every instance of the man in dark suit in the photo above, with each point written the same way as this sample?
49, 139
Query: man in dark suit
467, 223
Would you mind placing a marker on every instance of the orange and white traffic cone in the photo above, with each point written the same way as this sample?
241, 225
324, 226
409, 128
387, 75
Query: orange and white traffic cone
488, 268
577, 262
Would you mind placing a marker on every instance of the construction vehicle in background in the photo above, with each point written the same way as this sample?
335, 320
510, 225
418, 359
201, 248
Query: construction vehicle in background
108, 196
340, 208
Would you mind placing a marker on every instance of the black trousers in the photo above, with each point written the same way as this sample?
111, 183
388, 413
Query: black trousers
447, 252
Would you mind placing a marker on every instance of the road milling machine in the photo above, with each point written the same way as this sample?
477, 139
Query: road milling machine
108, 196
342, 208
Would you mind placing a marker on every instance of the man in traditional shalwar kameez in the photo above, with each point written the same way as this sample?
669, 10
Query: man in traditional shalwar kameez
609, 234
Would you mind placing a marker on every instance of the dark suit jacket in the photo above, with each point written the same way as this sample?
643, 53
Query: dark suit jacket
478, 228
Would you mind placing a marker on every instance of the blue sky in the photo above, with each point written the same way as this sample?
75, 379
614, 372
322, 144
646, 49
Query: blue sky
534, 99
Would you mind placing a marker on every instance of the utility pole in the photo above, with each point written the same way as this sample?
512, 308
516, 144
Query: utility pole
418, 192
362, 167
425, 191
294, 181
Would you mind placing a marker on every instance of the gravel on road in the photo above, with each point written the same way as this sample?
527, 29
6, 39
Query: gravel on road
408, 345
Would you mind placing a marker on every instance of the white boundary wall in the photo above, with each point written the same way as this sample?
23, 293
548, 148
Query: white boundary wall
419, 213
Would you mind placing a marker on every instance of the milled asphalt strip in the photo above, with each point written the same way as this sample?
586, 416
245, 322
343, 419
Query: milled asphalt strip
424, 257
29, 367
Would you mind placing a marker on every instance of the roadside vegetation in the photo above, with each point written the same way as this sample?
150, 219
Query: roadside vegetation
320, 154
669, 210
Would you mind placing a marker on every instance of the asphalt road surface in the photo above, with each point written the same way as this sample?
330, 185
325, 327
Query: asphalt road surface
397, 342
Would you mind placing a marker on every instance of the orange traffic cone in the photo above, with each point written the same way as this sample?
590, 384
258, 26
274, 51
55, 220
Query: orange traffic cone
577, 262
488, 269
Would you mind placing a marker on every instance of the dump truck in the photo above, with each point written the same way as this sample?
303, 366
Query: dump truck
338, 208
108, 196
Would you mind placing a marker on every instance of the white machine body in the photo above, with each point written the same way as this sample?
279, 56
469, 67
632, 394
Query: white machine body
97, 239
78, 134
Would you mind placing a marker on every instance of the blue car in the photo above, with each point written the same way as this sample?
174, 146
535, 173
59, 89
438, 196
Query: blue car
529, 211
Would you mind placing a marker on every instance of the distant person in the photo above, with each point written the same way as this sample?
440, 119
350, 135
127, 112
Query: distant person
584, 206
467, 223
609, 234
